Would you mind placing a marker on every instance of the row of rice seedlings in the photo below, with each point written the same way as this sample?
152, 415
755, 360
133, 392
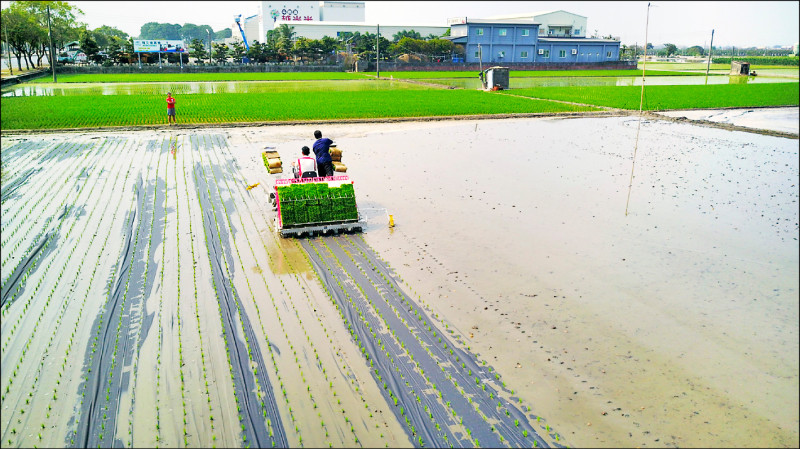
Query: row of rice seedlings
30, 270
399, 368
258, 312
33, 295
237, 299
15, 157
460, 389
108, 291
442, 354
13, 167
196, 304
66, 302
428, 381
149, 235
29, 199
364, 318
104, 309
139, 339
160, 337
219, 305
194, 285
455, 359
46, 192
278, 315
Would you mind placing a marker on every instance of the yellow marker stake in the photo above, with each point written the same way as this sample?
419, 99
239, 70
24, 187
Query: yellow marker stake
391, 221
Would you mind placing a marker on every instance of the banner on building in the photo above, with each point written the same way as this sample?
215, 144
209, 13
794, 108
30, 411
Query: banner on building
165, 46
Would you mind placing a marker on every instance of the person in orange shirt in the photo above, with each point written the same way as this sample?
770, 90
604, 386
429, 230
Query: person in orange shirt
171, 109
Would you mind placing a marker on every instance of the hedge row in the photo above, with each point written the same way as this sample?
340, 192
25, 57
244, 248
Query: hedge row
761, 60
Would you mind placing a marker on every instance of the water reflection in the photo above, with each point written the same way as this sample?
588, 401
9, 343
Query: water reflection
184, 88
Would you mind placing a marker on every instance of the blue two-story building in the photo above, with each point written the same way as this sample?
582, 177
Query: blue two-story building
519, 40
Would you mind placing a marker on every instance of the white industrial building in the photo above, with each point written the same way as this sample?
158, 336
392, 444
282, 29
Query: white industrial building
558, 23
317, 19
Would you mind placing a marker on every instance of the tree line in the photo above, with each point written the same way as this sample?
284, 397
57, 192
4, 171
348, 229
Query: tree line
670, 50
25, 33
282, 44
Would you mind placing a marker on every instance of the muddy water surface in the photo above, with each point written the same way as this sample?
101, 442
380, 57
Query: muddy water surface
676, 324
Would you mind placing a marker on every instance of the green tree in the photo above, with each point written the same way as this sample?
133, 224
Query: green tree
90, 47
410, 34
236, 51
160, 31
696, 51
285, 36
220, 52
670, 49
197, 49
191, 31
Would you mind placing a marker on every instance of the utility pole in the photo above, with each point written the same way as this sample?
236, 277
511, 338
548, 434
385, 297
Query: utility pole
209, 46
8, 53
710, 47
50, 33
378, 52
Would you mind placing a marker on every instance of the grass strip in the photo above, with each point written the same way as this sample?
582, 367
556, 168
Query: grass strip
55, 112
672, 97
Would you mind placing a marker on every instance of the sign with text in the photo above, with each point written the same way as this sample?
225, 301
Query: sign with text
163, 46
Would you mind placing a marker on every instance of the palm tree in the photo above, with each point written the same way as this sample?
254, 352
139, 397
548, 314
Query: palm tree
286, 33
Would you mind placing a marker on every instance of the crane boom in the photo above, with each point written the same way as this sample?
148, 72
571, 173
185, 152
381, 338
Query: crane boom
238, 19
238, 22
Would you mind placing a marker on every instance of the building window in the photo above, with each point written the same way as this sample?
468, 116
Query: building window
523, 54
502, 32
608, 54
479, 31
526, 32
477, 54
562, 53
501, 54
577, 31
546, 54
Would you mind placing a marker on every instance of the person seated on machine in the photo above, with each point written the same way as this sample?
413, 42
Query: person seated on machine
305, 166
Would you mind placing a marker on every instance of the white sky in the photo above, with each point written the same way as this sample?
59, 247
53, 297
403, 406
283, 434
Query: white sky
736, 23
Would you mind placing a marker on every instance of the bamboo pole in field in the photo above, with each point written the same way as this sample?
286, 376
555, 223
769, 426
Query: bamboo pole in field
641, 101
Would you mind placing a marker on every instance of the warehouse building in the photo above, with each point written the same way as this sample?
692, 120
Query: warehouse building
525, 39
317, 19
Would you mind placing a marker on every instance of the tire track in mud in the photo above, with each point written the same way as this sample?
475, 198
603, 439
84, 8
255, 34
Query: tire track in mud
240, 352
99, 411
439, 390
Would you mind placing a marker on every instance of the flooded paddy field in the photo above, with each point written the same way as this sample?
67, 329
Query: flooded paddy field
146, 299
183, 87
652, 79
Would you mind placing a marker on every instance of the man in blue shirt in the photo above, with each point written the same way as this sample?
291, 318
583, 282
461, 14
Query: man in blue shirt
324, 161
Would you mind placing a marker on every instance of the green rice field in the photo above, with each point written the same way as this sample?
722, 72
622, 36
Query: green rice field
53, 112
672, 97
103, 100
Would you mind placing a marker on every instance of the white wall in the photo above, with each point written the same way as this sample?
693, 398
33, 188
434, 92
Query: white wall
561, 18
343, 11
